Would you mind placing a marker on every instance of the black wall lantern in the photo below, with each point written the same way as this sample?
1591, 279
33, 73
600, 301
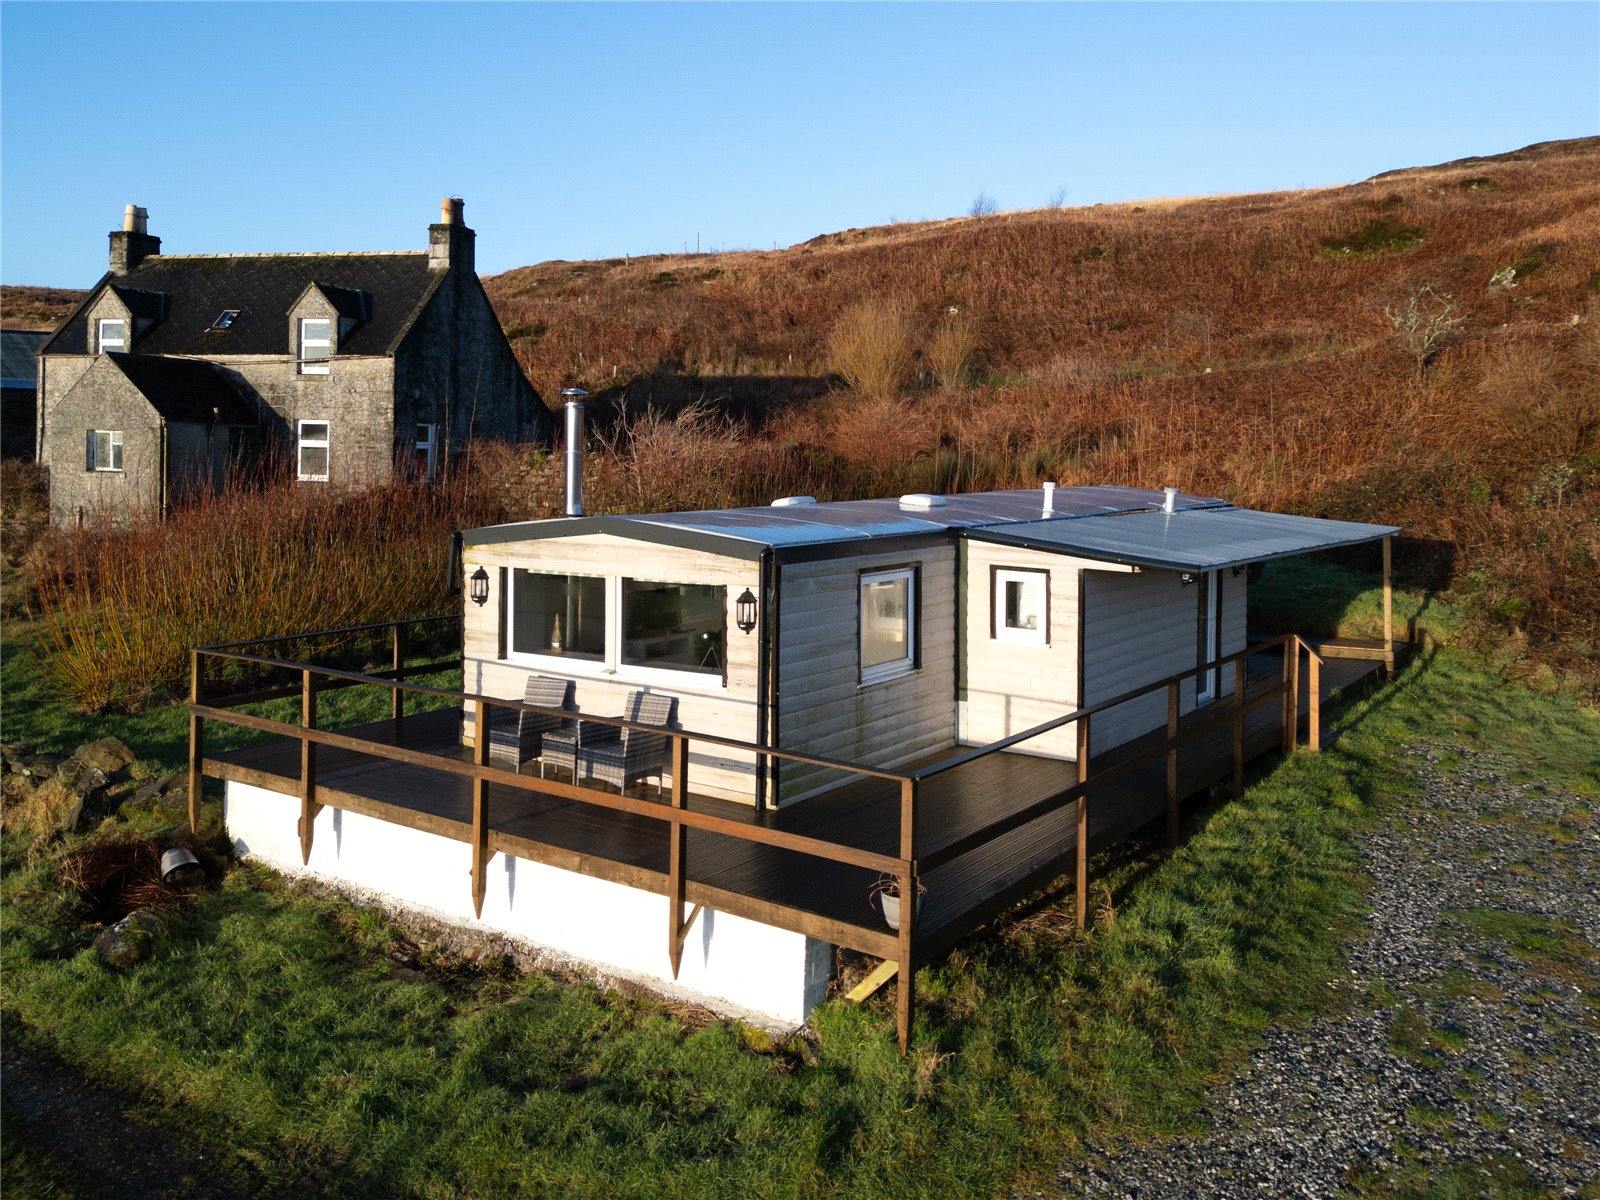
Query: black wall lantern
744, 611
480, 587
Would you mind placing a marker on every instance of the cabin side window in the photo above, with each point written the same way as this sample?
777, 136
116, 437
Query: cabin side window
561, 615
1021, 612
888, 623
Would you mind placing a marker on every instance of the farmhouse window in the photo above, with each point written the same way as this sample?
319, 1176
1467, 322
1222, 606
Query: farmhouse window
1021, 606
312, 454
103, 450
676, 626
558, 615
888, 624
423, 453
112, 335
315, 346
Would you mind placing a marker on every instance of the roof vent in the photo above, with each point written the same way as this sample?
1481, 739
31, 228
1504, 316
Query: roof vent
791, 501
1170, 504
921, 500
1049, 499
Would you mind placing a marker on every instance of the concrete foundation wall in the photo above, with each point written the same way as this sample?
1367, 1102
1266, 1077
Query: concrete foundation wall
768, 975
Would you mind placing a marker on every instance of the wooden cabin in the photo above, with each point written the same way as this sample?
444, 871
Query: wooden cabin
962, 695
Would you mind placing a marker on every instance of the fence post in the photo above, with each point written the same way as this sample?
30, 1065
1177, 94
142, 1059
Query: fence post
480, 805
1172, 763
905, 989
398, 696
308, 763
677, 853
1083, 822
197, 741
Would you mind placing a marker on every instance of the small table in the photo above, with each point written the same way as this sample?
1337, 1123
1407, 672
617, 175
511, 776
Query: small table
565, 743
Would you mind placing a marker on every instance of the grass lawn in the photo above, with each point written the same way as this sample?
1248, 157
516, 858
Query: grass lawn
273, 1026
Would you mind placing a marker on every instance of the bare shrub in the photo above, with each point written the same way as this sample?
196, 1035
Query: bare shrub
870, 346
950, 348
1423, 320
983, 205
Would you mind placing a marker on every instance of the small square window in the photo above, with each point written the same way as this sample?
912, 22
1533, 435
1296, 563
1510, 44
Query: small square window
103, 450
1021, 606
112, 335
312, 452
315, 346
888, 624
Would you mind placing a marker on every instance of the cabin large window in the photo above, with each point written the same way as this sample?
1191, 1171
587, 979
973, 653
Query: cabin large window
888, 623
676, 626
1021, 606
558, 615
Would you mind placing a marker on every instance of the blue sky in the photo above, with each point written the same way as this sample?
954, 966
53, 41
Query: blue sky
593, 130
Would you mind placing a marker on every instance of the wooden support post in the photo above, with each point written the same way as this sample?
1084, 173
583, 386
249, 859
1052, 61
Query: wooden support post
905, 989
1083, 823
398, 695
197, 742
677, 851
1388, 606
1238, 723
1314, 735
480, 808
1172, 763
308, 764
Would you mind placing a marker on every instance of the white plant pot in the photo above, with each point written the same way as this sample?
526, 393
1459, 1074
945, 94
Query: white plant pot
891, 909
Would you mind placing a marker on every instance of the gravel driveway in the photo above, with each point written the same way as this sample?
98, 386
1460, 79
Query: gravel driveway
1471, 1056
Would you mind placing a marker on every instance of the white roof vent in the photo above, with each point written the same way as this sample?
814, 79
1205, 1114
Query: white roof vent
791, 501
921, 500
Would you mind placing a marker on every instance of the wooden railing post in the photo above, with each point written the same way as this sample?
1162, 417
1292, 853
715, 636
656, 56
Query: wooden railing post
480, 806
398, 695
1083, 822
1172, 763
1388, 605
308, 764
677, 854
197, 740
1239, 676
1315, 687
905, 989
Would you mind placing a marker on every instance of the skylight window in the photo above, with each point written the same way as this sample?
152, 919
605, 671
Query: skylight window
225, 319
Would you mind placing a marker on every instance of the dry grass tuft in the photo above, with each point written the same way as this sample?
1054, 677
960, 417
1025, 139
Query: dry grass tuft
871, 346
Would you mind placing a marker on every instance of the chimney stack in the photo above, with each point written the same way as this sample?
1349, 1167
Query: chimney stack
132, 244
450, 242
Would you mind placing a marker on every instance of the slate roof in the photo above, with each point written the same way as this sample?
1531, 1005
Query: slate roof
16, 357
263, 287
186, 389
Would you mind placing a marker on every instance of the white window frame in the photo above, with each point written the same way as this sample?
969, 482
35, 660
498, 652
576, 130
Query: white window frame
610, 665
304, 344
426, 445
1033, 580
111, 460
894, 668
302, 443
121, 342
1205, 687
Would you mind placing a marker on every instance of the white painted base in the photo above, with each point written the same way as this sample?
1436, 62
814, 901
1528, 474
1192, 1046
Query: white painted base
731, 964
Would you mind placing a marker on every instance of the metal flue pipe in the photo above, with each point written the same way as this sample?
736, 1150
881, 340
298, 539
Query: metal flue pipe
573, 432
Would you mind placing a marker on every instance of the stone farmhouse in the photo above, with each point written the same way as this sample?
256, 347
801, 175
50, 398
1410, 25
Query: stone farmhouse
353, 368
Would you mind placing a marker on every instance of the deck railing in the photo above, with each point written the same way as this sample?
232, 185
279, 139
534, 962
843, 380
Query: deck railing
912, 858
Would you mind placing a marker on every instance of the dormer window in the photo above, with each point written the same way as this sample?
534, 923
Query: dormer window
111, 335
315, 346
225, 319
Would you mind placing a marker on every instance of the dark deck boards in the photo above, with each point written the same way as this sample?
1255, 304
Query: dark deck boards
960, 895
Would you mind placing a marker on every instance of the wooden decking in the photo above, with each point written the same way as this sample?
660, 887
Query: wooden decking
786, 887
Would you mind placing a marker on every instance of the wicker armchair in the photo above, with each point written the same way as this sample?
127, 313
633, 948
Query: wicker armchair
515, 735
632, 754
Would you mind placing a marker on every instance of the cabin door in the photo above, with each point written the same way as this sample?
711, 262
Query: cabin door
1208, 628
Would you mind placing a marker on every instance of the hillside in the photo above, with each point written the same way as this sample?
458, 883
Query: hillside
1245, 346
